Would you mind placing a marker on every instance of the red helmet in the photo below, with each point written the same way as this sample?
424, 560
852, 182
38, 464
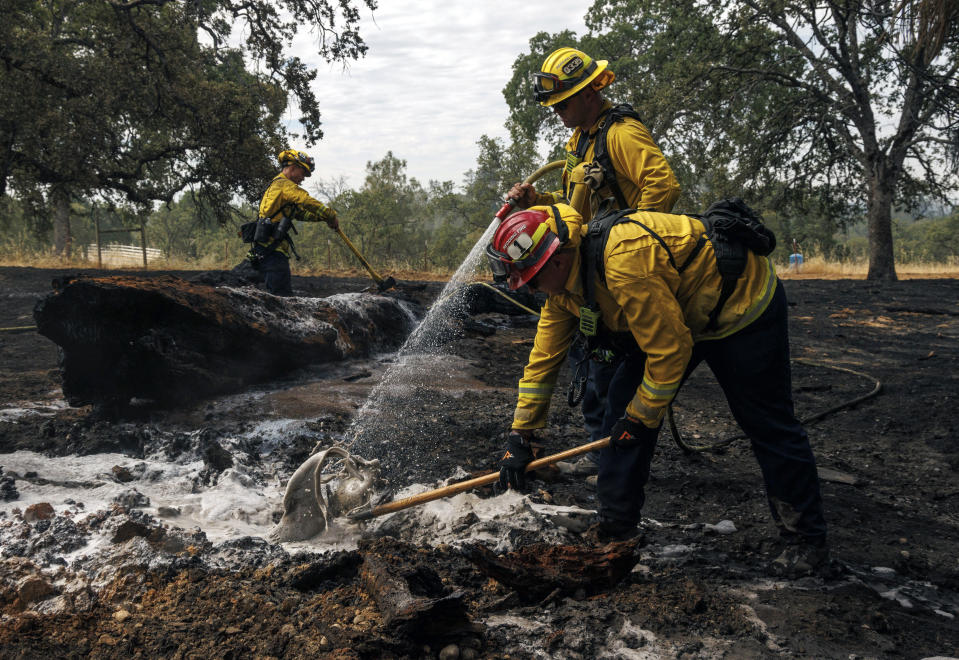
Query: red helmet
522, 244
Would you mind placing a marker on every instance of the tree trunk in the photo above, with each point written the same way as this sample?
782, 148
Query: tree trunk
882, 264
62, 238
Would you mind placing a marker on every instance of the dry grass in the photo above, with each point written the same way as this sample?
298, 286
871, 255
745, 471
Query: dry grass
819, 269
814, 269
49, 261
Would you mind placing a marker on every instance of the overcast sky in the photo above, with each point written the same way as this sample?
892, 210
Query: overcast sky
430, 84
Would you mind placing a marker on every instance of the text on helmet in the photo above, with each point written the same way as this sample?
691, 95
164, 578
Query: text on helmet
575, 63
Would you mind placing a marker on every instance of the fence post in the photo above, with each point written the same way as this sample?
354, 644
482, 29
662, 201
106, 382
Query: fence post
143, 243
96, 222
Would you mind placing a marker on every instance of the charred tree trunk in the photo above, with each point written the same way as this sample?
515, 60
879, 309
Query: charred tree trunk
170, 340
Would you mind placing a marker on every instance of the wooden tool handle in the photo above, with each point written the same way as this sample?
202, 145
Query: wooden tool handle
359, 256
447, 491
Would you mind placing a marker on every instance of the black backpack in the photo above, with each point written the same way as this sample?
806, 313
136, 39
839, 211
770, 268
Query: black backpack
731, 226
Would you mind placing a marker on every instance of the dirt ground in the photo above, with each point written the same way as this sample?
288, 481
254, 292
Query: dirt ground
889, 478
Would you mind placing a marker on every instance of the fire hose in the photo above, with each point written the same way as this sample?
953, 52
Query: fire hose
689, 447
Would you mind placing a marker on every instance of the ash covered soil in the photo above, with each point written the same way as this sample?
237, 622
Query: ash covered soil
145, 536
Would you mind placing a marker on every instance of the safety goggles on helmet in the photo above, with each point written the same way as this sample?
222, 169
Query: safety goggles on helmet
304, 161
546, 85
294, 157
524, 250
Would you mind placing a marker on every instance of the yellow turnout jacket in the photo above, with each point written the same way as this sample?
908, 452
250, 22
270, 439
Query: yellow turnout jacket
283, 197
665, 311
646, 179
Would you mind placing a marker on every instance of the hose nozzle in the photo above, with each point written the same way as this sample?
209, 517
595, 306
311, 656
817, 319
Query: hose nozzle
504, 211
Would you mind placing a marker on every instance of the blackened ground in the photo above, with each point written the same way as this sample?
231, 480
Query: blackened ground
891, 495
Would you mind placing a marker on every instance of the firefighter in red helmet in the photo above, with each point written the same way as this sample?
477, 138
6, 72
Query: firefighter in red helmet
651, 287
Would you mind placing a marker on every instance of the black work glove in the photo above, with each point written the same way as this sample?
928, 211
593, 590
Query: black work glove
519, 454
628, 432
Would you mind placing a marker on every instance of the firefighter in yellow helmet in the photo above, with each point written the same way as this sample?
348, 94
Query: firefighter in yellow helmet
656, 286
625, 165
283, 202
636, 175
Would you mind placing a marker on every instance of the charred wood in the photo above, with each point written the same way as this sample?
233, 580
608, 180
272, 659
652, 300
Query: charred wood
539, 570
170, 340
413, 601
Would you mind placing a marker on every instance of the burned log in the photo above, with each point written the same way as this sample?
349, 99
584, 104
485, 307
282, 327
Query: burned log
411, 597
169, 340
538, 570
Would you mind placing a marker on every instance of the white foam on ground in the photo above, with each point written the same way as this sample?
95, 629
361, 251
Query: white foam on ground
237, 504
242, 502
30, 408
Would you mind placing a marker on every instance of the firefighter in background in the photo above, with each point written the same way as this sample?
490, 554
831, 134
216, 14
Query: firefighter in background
662, 289
634, 173
283, 202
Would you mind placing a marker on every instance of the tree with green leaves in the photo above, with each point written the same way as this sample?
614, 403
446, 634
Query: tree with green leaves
137, 101
837, 109
385, 216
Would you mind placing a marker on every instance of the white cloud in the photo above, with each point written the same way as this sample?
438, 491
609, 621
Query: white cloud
430, 85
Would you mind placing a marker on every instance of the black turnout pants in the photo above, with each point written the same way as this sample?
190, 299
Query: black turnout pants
275, 267
752, 367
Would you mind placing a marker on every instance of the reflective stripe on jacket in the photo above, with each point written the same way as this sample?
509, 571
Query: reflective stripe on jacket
665, 311
646, 179
283, 197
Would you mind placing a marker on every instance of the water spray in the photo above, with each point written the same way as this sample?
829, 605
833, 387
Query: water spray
307, 510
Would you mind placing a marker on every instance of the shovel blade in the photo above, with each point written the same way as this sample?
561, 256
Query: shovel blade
303, 518
307, 511
386, 284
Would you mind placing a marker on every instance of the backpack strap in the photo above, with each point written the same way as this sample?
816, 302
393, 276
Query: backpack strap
600, 152
729, 285
602, 228
593, 247
562, 231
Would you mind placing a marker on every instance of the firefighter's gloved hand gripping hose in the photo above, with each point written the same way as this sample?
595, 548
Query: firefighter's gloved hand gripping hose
509, 205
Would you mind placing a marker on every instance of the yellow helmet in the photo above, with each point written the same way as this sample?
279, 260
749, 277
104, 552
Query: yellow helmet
565, 72
294, 157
